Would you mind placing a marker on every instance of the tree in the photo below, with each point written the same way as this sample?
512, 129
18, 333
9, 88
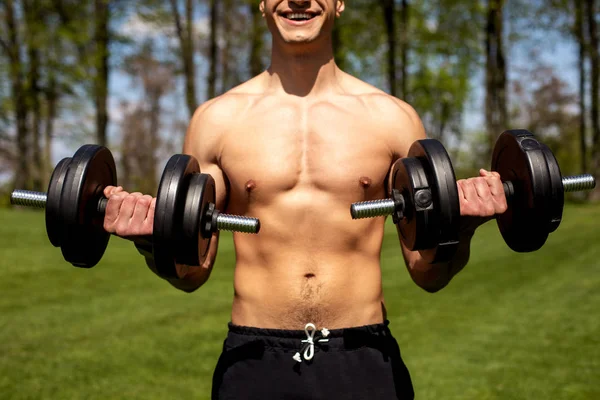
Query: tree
579, 33
496, 110
545, 107
102, 38
389, 15
185, 34
441, 73
87, 24
142, 122
590, 8
213, 48
33, 14
257, 42
404, 48
13, 47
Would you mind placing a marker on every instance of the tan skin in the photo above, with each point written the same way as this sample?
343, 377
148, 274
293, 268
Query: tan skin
294, 147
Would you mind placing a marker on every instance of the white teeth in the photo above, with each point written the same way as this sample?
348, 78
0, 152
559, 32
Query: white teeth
297, 16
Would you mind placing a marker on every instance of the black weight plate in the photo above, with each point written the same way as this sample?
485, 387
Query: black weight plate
55, 221
168, 214
556, 201
89, 172
519, 158
414, 229
200, 195
446, 204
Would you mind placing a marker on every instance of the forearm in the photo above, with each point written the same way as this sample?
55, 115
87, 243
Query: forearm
433, 277
189, 278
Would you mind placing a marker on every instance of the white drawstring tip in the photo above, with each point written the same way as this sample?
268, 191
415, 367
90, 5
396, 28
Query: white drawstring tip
309, 343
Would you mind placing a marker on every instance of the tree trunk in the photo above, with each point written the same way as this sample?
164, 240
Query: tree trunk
404, 18
186, 42
190, 70
496, 110
389, 16
101, 61
212, 74
226, 70
22, 172
256, 41
51, 107
154, 128
579, 30
595, 76
31, 9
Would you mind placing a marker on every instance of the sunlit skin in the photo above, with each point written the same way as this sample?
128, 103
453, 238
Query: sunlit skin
295, 146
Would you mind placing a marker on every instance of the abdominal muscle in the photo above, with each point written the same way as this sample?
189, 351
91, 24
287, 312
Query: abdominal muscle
312, 266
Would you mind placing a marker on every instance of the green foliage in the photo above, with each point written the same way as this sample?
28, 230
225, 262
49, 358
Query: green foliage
362, 37
446, 51
444, 64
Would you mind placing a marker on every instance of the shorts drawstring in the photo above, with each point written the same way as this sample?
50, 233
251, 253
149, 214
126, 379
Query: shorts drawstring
309, 346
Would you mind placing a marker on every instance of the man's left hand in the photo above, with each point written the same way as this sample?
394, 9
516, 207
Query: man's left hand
481, 199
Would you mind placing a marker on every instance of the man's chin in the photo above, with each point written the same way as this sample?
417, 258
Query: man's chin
299, 39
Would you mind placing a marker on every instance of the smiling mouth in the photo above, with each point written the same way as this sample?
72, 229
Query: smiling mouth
299, 16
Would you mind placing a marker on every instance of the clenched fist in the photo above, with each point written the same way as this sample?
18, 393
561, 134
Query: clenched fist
481, 199
128, 214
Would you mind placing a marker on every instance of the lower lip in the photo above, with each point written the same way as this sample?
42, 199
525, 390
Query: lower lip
299, 23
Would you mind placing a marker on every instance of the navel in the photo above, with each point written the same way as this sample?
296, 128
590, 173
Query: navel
250, 185
365, 181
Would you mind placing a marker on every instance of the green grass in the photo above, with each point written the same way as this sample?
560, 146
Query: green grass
510, 326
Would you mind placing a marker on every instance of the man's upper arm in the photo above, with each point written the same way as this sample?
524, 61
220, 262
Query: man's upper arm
405, 130
203, 141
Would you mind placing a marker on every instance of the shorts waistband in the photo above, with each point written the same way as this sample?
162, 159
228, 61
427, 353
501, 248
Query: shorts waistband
345, 338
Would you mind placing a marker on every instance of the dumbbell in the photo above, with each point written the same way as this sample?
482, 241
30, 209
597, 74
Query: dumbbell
424, 200
184, 221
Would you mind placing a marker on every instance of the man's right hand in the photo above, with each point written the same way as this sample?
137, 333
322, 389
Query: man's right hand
128, 214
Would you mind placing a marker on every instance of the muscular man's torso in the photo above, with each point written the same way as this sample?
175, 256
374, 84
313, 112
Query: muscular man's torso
297, 163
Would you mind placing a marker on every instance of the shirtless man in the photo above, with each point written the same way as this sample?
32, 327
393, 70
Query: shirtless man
294, 147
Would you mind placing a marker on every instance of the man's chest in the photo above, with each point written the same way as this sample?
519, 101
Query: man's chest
323, 147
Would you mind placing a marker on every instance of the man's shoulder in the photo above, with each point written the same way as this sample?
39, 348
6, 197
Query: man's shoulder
380, 102
221, 109
392, 117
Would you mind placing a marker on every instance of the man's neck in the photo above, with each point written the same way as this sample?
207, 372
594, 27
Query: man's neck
305, 72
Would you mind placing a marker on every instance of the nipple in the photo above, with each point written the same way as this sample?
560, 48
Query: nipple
365, 181
250, 185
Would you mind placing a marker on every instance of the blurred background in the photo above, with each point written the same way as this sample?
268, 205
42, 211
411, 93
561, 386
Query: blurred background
129, 73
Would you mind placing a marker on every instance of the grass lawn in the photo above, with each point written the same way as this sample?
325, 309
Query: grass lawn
510, 326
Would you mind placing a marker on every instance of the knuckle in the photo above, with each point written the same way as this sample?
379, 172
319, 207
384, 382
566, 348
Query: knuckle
122, 230
502, 208
130, 199
144, 201
108, 227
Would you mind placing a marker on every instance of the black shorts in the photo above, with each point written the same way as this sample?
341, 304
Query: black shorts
352, 363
